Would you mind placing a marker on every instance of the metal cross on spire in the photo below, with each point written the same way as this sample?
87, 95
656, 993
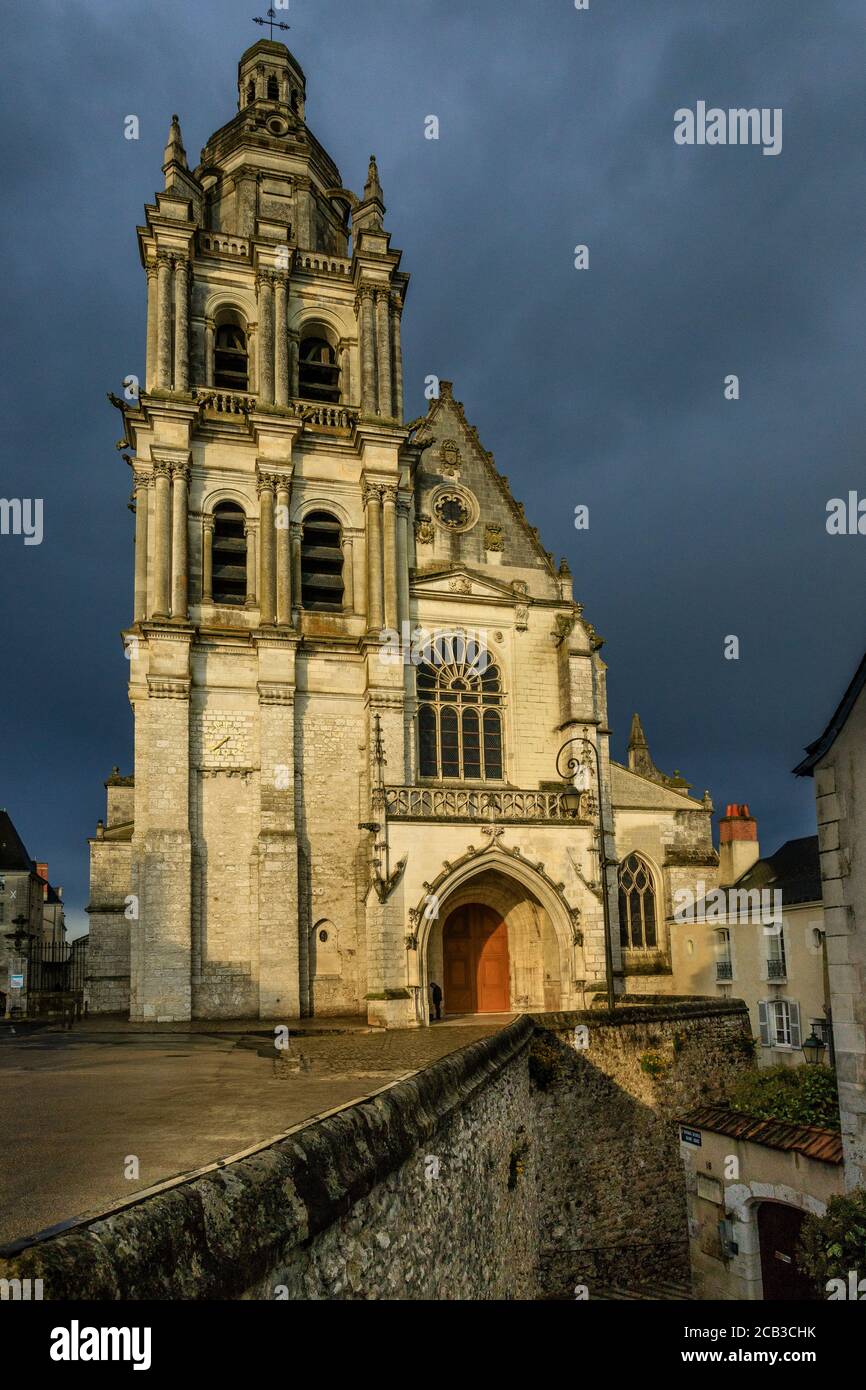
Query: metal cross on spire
272, 21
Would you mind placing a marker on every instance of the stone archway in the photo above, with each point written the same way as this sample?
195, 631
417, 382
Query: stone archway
506, 945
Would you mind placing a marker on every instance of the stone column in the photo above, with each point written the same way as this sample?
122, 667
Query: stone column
284, 558
397, 350
150, 374
389, 547
368, 351
402, 560
294, 366
250, 535
266, 549
209, 347
383, 344
142, 501
207, 559
296, 532
266, 340
163, 326
281, 333
348, 575
181, 324
179, 541
375, 611
161, 539
346, 374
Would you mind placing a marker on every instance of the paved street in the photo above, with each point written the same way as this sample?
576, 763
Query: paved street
76, 1105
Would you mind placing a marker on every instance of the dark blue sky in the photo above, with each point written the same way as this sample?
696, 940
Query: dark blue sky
601, 387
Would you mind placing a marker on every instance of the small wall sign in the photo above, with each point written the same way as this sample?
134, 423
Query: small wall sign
690, 1136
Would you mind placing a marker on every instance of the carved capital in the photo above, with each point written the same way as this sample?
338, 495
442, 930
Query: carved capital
181, 471
161, 469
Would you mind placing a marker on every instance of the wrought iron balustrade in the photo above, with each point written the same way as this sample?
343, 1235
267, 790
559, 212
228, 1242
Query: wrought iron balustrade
776, 970
724, 970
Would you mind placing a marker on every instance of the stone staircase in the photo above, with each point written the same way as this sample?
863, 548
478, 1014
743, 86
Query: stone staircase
661, 1292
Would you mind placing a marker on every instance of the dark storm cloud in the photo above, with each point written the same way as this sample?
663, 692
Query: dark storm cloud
601, 387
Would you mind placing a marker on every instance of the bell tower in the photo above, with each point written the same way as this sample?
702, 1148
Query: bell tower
272, 494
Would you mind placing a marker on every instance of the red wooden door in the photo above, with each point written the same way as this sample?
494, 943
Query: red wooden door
475, 944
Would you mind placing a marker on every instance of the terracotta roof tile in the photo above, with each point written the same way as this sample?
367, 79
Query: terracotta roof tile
822, 1144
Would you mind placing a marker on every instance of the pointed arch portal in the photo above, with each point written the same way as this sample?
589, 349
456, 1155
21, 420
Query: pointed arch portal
499, 942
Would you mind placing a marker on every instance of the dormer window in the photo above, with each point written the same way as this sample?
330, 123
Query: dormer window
231, 362
319, 375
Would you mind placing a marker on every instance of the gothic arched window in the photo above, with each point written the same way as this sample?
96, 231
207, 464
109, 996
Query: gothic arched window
231, 362
318, 372
459, 711
229, 554
637, 905
273, 89
251, 92
321, 563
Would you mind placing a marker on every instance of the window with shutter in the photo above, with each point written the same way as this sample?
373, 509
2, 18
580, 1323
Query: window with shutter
794, 1010
763, 1022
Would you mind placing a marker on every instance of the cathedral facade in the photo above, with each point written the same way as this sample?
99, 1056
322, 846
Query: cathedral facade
371, 739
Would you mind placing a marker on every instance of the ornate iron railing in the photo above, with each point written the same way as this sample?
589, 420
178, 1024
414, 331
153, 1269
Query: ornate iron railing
479, 804
724, 970
777, 970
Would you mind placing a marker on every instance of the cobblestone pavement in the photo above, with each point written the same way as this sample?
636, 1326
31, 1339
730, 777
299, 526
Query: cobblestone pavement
78, 1106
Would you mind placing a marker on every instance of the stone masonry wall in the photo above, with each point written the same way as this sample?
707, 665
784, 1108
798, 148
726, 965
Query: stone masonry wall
611, 1197
515, 1168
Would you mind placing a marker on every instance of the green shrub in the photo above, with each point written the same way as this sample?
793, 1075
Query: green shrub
798, 1095
835, 1243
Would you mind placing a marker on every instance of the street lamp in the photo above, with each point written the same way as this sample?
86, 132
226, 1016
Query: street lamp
814, 1049
572, 769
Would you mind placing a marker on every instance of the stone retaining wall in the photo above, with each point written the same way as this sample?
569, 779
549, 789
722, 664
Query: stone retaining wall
517, 1168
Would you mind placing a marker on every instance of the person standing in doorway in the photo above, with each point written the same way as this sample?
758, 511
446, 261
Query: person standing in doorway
436, 999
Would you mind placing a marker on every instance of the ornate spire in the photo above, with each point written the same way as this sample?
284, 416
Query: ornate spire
373, 188
640, 760
174, 150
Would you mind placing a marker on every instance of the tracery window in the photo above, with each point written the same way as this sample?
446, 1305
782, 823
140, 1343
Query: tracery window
637, 905
459, 711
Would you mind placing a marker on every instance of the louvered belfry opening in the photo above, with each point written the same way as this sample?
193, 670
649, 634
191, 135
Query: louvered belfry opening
319, 372
229, 551
322, 563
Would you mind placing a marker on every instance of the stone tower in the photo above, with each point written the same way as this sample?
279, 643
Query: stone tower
270, 482
371, 741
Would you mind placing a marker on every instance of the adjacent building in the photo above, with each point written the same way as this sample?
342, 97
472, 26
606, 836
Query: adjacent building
31, 915
760, 937
837, 761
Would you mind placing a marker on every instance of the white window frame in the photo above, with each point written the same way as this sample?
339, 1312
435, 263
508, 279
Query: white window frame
769, 1012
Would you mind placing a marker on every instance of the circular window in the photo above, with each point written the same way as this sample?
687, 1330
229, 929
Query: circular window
276, 128
323, 936
455, 508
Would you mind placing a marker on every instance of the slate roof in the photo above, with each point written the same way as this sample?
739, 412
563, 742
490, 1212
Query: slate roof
795, 868
13, 854
823, 1144
817, 750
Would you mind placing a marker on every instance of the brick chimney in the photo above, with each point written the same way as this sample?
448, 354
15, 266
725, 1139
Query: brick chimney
738, 844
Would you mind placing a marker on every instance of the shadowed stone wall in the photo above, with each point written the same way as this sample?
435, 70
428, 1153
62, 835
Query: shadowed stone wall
516, 1168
